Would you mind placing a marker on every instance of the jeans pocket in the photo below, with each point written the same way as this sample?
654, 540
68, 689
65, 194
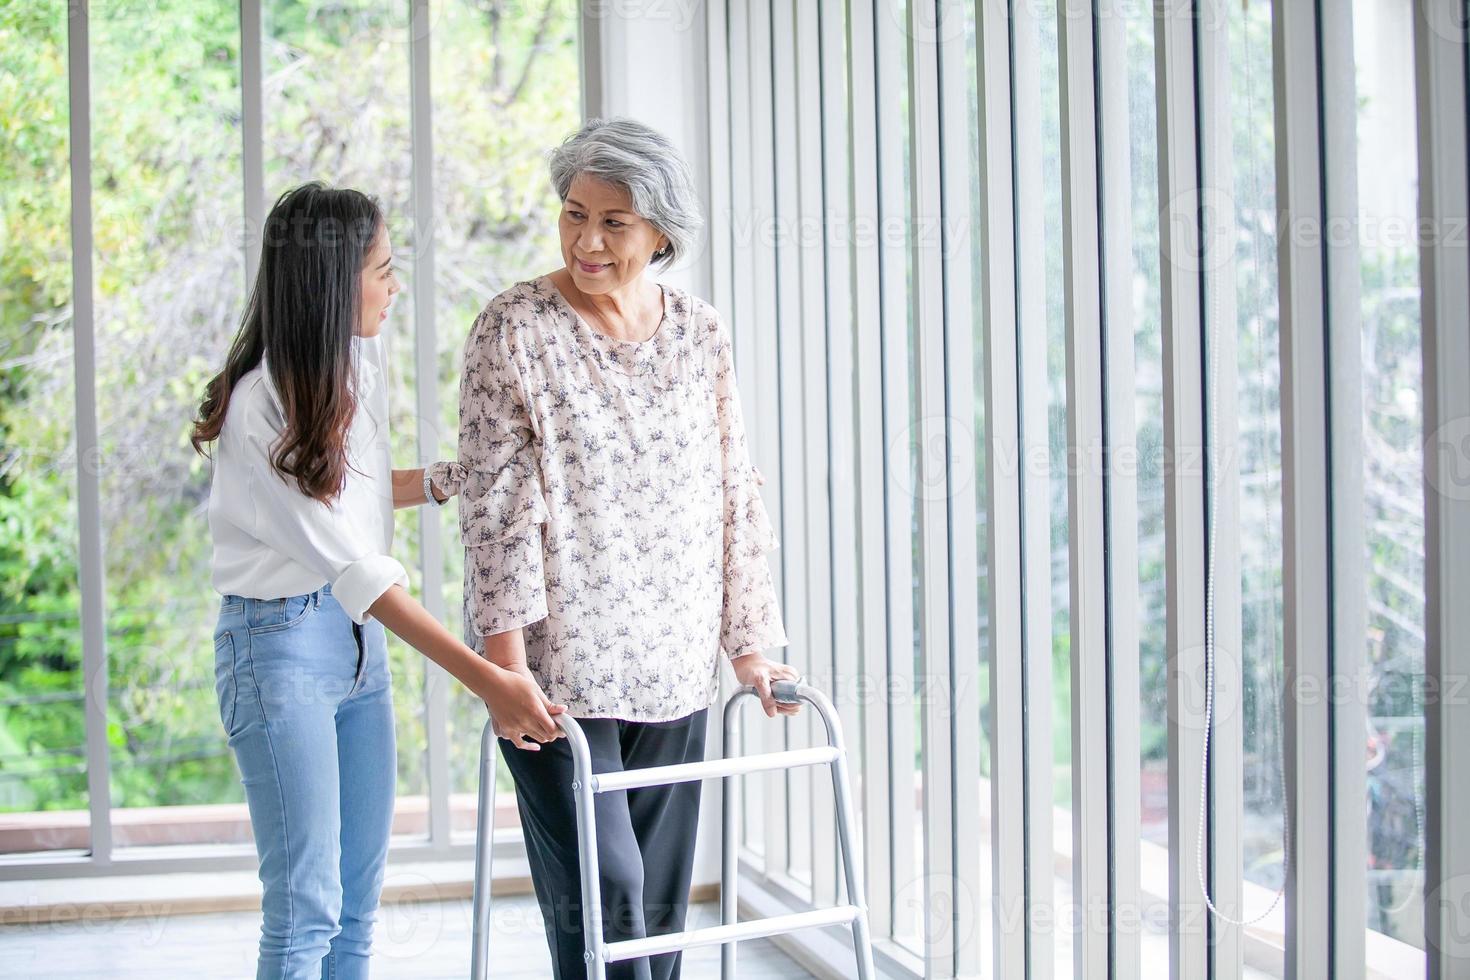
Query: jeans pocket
224, 678
275, 615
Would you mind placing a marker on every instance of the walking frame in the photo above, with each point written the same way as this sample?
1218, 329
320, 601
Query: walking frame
586, 785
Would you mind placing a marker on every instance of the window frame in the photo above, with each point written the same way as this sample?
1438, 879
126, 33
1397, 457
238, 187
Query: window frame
101, 857
1191, 87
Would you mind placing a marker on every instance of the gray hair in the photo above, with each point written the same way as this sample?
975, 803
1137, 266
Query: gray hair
625, 153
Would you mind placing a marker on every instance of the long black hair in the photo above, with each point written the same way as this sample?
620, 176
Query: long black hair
303, 312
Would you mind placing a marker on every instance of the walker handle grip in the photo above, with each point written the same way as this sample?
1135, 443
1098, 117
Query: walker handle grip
785, 691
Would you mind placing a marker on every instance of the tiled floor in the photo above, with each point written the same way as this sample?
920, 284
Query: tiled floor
413, 940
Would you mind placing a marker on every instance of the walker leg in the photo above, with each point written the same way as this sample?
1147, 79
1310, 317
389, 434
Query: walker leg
846, 821
586, 848
861, 942
484, 855
847, 835
729, 838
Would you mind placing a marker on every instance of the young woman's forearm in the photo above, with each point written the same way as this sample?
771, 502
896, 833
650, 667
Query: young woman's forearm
520, 708
411, 622
408, 489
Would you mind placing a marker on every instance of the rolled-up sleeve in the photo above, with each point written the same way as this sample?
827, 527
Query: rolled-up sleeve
751, 613
501, 503
317, 536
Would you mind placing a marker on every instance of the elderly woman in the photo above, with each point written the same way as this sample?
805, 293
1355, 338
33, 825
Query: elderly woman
614, 533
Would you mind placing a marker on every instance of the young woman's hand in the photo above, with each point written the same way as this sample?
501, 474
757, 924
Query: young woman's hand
754, 669
519, 707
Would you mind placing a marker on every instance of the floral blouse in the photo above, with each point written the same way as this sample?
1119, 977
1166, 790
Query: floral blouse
608, 504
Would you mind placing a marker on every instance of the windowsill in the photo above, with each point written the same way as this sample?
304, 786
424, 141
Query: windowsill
154, 895
38, 832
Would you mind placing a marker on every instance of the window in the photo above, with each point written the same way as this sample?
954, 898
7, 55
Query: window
337, 109
494, 224
1159, 98
43, 757
168, 290
170, 241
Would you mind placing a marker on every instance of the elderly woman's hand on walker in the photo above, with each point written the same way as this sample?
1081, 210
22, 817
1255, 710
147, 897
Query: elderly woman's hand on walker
755, 670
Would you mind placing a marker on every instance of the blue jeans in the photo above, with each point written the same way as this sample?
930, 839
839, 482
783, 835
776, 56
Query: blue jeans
306, 698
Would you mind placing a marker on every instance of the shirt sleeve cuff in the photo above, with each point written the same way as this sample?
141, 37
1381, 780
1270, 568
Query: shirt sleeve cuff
364, 582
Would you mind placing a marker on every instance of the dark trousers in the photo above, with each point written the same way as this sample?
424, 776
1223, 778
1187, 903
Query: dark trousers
645, 839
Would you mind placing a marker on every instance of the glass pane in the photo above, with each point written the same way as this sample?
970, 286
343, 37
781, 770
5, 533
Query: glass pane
1393, 460
337, 110
1258, 370
506, 90
167, 211
43, 777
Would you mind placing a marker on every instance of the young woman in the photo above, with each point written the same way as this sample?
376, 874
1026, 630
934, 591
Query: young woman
301, 512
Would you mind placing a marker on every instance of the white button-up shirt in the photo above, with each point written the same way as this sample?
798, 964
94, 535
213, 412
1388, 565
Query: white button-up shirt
270, 539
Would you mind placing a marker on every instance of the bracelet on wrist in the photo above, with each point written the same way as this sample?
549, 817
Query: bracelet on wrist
429, 490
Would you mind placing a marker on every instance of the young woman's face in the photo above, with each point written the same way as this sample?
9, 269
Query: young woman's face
379, 285
604, 242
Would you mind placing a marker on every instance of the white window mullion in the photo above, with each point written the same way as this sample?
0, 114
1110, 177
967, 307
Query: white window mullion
252, 134
738, 307
1120, 391
894, 393
720, 148
1308, 497
816, 655
1349, 614
1033, 472
593, 87
1444, 205
89, 494
761, 383
961, 687
426, 372
1184, 488
926, 222
740, 311
998, 303
790, 350
836, 209
874, 789
1082, 285
1226, 773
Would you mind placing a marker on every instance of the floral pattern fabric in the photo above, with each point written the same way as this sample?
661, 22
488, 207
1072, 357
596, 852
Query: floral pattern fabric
608, 504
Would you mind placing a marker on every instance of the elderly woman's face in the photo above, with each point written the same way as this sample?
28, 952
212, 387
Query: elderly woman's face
604, 242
